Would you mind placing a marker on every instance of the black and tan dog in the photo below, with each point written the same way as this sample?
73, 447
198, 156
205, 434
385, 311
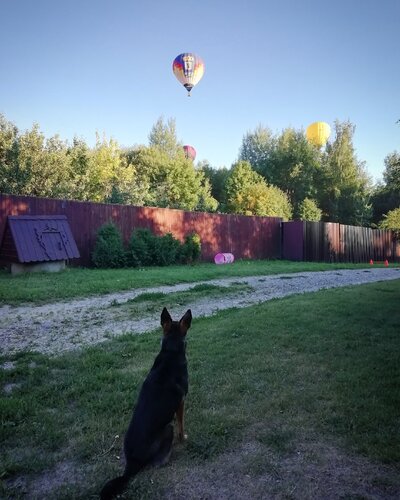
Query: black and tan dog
150, 432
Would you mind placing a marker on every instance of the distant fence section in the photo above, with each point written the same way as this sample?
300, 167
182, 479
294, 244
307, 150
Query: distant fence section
333, 242
244, 237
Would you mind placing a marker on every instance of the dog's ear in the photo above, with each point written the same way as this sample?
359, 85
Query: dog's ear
166, 320
185, 322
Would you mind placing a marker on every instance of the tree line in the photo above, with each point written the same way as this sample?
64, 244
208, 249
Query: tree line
275, 175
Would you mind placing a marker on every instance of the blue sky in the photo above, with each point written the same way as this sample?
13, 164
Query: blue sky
77, 67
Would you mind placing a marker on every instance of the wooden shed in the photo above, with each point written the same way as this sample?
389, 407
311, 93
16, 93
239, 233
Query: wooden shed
37, 243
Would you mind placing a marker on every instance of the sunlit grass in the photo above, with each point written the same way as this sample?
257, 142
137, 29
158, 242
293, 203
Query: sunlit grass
77, 282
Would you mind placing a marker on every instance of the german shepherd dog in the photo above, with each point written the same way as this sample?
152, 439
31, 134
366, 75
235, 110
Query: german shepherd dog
150, 433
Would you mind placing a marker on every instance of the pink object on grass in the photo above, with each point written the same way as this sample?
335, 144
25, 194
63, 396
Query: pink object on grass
224, 258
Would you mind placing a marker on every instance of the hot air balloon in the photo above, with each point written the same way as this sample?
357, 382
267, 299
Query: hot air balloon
188, 69
318, 133
190, 152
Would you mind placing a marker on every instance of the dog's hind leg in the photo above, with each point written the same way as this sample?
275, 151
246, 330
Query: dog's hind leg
164, 443
180, 419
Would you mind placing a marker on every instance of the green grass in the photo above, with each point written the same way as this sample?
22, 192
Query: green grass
77, 282
322, 365
150, 302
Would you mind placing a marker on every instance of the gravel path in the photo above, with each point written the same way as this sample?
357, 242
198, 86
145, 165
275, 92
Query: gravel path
62, 326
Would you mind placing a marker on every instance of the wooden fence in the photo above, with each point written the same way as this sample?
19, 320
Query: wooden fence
333, 242
245, 237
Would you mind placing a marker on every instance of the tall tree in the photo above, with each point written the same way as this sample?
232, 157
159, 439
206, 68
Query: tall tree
217, 178
163, 137
293, 166
344, 188
256, 148
386, 195
111, 179
247, 193
287, 161
9, 178
172, 182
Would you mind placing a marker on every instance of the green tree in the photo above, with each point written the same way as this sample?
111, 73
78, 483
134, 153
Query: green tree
109, 175
308, 210
386, 195
9, 174
217, 178
257, 148
345, 187
163, 136
109, 249
42, 165
172, 182
287, 161
293, 166
391, 221
248, 193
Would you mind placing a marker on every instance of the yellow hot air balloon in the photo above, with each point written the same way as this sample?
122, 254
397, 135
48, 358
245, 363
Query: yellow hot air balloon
318, 133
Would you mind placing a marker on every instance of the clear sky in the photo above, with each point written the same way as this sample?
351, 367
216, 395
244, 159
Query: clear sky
80, 66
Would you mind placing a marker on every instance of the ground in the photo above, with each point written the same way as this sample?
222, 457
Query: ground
309, 468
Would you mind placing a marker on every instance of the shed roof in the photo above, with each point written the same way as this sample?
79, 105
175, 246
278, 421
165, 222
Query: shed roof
40, 238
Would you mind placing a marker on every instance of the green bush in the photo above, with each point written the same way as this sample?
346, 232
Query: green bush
142, 248
167, 250
108, 250
191, 249
146, 249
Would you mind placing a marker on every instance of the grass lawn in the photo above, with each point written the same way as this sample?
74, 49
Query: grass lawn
320, 370
77, 282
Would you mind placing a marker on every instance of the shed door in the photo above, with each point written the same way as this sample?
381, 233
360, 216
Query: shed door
53, 245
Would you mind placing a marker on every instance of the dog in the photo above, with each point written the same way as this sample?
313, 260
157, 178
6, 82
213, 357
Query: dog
148, 440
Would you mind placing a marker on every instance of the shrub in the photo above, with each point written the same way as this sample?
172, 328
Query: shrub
392, 221
308, 210
108, 250
146, 249
142, 248
191, 249
167, 250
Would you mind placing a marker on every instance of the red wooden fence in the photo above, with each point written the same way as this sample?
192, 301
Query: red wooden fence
245, 237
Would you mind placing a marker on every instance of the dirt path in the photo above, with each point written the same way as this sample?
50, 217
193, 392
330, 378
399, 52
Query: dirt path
62, 326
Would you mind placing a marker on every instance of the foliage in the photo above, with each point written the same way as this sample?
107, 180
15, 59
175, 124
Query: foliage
163, 137
257, 148
147, 249
286, 161
308, 210
344, 189
217, 178
109, 250
191, 249
248, 194
141, 248
335, 179
392, 221
171, 182
160, 175
167, 250
386, 196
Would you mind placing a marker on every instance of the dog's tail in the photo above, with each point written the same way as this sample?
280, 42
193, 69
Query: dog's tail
118, 484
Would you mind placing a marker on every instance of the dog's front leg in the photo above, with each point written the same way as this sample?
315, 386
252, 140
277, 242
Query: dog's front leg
180, 417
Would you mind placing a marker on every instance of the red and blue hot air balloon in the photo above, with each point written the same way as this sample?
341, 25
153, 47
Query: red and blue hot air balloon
188, 69
190, 152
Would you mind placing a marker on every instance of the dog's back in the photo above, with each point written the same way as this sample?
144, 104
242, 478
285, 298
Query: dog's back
149, 436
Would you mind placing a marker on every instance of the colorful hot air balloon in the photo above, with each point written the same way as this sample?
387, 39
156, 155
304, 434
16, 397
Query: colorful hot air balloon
318, 133
188, 69
190, 152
